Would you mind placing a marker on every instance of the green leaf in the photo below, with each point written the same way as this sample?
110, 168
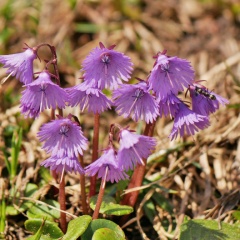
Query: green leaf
109, 206
200, 229
102, 223
77, 227
49, 229
2, 214
106, 233
37, 235
40, 211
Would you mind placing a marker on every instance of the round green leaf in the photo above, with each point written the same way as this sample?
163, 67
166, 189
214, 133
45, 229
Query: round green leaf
50, 228
208, 229
110, 207
77, 227
106, 233
102, 223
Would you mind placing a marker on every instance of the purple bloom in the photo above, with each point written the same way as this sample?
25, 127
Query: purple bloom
64, 163
42, 94
87, 97
135, 100
20, 65
205, 102
107, 160
187, 120
133, 148
106, 68
62, 137
169, 105
170, 75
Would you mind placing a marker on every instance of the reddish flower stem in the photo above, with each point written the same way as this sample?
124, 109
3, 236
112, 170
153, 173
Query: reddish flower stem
138, 175
83, 188
100, 196
62, 195
62, 201
93, 180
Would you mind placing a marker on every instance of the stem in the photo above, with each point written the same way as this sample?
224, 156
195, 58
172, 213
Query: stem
100, 196
138, 174
93, 179
62, 201
83, 188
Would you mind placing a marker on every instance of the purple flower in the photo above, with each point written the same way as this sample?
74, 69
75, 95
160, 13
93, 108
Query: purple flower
20, 65
107, 162
205, 102
133, 148
106, 68
170, 75
187, 120
87, 97
169, 105
62, 137
64, 163
41, 94
135, 100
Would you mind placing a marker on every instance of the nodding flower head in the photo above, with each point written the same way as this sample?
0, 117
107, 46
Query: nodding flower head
205, 102
106, 68
62, 137
20, 65
170, 75
90, 98
107, 166
187, 121
42, 94
136, 101
169, 105
64, 163
133, 148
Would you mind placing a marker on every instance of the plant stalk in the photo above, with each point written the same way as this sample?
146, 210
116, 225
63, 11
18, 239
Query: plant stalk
100, 196
138, 174
62, 201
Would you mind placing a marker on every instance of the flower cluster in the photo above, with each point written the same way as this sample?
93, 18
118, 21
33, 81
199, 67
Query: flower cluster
105, 68
168, 77
132, 150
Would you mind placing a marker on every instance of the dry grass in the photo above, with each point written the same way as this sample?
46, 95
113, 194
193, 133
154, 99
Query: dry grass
206, 33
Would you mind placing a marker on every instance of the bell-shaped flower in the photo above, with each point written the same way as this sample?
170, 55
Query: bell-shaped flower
170, 75
187, 122
42, 94
106, 68
169, 105
136, 101
205, 102
107, 167
133, 148
64, 163
88, 97
20, 65
62, 137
